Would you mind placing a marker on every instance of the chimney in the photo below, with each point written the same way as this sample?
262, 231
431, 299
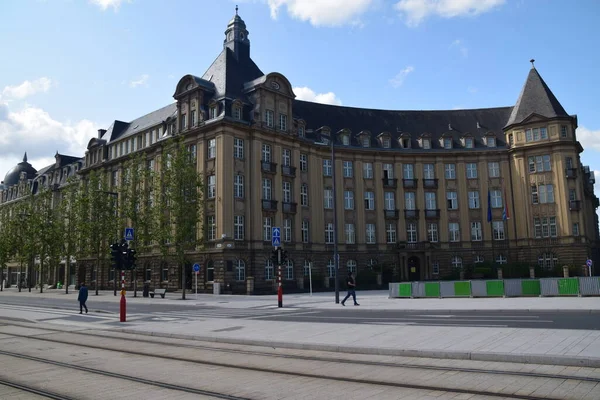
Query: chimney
101, 133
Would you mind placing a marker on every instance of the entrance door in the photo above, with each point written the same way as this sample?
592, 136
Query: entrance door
414, 269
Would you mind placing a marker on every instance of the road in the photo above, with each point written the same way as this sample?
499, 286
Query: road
105, 309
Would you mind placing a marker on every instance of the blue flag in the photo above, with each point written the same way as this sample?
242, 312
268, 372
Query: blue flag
489, 214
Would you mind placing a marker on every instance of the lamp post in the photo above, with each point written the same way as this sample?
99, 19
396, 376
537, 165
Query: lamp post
116, 196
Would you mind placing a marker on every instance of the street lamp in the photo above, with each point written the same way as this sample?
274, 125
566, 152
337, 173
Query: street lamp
336, 256
116, 196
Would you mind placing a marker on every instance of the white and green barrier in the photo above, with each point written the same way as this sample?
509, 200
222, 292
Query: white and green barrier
585, 286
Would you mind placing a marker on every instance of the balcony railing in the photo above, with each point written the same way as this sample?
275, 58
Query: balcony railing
430, 183
432, 214
269, 205
571, 173
391, 214
289, 208
411, 214
288, 170
269, 167
390, 183
410, 183
575, 205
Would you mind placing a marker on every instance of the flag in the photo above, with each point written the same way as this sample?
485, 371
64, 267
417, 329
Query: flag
489, 215
505, 215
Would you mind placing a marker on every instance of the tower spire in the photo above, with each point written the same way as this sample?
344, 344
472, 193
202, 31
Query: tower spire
532, 61
236, 9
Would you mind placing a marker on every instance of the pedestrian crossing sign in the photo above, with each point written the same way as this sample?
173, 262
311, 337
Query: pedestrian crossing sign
128, 233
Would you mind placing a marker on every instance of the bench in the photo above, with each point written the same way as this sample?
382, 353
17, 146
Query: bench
162, 292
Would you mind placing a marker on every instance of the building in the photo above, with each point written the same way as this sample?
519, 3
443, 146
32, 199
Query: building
420, 194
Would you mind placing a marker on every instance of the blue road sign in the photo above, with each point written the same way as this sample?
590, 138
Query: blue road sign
128, 233
588, 263
276, 236
196, 268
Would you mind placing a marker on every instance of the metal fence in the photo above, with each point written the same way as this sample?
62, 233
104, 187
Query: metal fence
581, 286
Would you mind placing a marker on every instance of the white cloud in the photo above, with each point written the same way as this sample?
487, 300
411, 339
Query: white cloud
461, 47
105, 4
589, 139
323, 12
398, 80
141, 81
27, 88
307, 94
416, 11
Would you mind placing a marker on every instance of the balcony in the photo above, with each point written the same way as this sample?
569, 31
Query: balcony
571, 173
575, 205
391, 214
430, 183
432, 214
288, 170
289, 208
269, 167
411, 214
390, 183
410, 183
269, 205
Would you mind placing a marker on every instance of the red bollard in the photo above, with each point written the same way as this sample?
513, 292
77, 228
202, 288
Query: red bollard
280, 296
123, 307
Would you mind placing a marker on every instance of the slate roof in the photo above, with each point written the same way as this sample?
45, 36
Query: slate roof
12, 176
475, 122
120, 129
536, 97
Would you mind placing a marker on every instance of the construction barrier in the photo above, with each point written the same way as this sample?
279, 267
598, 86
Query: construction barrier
585, 286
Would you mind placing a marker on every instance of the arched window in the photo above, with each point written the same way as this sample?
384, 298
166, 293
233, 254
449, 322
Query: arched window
307, 267
268, 270
240, 270
547, 260
372, 263
351, 265
289, 270
331, 268
457, 262
501, 259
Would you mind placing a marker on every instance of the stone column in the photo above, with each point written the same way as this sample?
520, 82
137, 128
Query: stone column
565, 271
379, 279
532, 272
250, 285
326, 281
500, 273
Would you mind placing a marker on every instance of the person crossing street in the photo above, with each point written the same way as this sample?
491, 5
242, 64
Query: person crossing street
83, 295
351, 283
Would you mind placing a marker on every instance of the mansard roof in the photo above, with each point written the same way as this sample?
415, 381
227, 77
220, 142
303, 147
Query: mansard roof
120, 129
13, 176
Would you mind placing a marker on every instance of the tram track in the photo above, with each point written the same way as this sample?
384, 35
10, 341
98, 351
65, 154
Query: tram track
39, 392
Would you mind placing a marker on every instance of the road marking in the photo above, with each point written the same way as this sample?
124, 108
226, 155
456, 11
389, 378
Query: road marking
288, 315
419, 319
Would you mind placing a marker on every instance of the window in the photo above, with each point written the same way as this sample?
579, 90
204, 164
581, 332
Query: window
387, 143
408, 171
426, 144
478, 259
287, 230
452, 200
494, 169
164, 273
469, 142
536, 134
572, 194
432, 232
301, 131
563, 131
210, 271
305, 231
405, 143
388, 171
456, 262
348, 200
289, 270
389, 201
267, 189
329, 233
539, 163
471, 170
390, 233
428, 171
192, 152
266, 153
535, 199
447, 143
348, 170
409, 201
511, 140
267, 228
370, 236
238, 227
454, 232
491, 141
435, 267
496, 198
501, 259
547, 261
411, 232
369, 200
212, 148
237, 112
327, 168
450, 171
211, 227
498, 230
544, 227
328, 198
330, 268
476, 234
576, 229
304, 194
238, 148
430, 201
240, 270
303, 162
212, 112
287, 191
368, 170
473, 200
350, 234
269, 270
212, 191
183, 121
238, 186
345, 140
569, 162
282, 122
546, 193
269, 118
366, 141
194, 118
351, 265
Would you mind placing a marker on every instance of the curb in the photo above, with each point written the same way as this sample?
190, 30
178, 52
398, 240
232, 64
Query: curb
571, 361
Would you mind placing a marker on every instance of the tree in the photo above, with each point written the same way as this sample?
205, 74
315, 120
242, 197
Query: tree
67, 220
7, 241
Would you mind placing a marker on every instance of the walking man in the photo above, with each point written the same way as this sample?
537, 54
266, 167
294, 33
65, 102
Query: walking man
351, 289
83, 295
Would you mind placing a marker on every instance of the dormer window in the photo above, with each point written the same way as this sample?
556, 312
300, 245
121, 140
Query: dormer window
301, 130
468, 143
345, 140
563, 131
194, 118
387, 143
269, 118
447, 143
212, 112
366, 141
511, 140
405, 142
490, 141
535, 134
426, 143
282, 122
237, 112
183, 122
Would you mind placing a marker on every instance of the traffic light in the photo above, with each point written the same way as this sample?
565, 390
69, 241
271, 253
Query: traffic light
131, 259
124, 248
284, 256
115, 255
275, 257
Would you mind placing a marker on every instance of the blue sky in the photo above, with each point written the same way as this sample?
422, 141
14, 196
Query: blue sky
73, 66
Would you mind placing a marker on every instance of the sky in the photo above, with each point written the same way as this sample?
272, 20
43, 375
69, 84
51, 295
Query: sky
71, 67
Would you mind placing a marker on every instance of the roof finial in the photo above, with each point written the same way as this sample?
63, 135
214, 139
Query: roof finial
532, 61
236, 9
25, 157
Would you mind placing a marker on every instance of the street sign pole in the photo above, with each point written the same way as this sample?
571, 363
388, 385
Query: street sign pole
196, 272
310, 276
196, 286
589, 264
123, 301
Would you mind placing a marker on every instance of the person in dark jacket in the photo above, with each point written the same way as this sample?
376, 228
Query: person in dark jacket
83, 295
351, 289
